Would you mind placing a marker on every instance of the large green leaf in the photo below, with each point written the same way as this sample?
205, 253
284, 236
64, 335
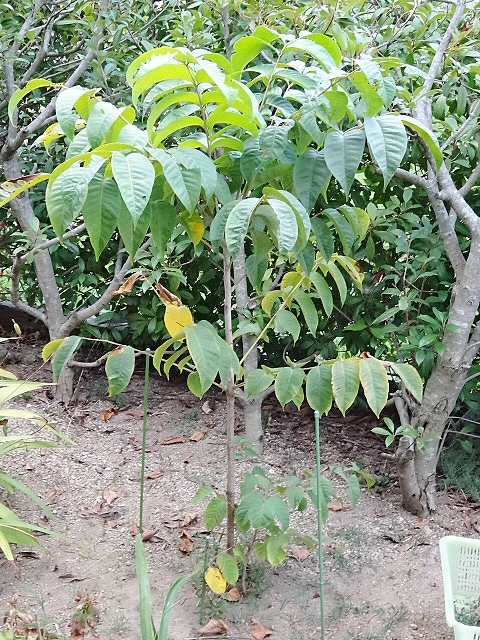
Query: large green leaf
427, 136
286, 322
101, 118
288, 383
343, 153
237, 224
301, 215
345, 382
210, 354
66, 115
133, 235
134, 175
100, 211
321, 50
373, 377
372, 100
194, 159
323, 237
310, 174
163, 219
323, 290
119, 369
19, 94
308, 309
67, 191
342, 227
63, 354
319, 388
257, 381
410, 378
287, 232
387, 141
248, 47
215, 512
228, 566
186, 185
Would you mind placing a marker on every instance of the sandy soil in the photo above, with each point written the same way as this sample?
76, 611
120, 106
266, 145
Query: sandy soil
382, 577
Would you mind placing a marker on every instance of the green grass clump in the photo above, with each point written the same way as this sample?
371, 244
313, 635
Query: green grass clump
459, 466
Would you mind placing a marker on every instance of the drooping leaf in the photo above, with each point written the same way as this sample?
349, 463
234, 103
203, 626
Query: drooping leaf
215, 580
319, 388
67, 191
19, 94
310, 174
64, 106
215, 512
308, 309
373, 377
101, 118
100, 211
257, 381
345, 382
13, 188
410, 378
176, 318
286, 322
288, 382
119, 368
343, 153
228, 566
323, 290
237, 223
63, 353
388, 143
134, 175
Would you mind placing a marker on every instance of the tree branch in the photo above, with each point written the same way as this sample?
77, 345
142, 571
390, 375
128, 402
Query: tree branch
53, 242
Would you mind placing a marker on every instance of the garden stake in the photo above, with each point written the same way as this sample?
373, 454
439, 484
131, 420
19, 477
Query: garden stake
144, 434
319, 526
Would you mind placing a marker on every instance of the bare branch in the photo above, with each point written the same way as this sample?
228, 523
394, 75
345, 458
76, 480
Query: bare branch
473, 116
472, 180
412, 178
54, 241
15, 294
442, 48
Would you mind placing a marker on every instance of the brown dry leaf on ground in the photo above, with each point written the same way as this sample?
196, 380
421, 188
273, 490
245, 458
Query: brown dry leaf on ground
259, 632
107, 414
233, 595
174, 440
300, 553
185, 543
197, 436
215, 627
154, 474
109, 496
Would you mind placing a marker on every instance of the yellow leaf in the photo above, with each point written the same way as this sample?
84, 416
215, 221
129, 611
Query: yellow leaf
215, 580
177, 318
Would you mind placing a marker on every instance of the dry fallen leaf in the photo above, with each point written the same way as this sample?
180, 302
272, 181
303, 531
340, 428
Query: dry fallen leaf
112, 524
127, 286
206, 407
189, 519
215, 626
148, 535
107, 414
134, 530
136, 413
197, 436
174, 440
335, 506
154, 474
51, 498
233, 595
300, 553
259, 632
186, 543
109, 496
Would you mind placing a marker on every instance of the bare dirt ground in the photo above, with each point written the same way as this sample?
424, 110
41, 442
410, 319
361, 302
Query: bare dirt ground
382, 577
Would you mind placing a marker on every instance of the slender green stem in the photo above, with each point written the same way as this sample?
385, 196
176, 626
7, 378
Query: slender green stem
204, 584
319, 527
144, 435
